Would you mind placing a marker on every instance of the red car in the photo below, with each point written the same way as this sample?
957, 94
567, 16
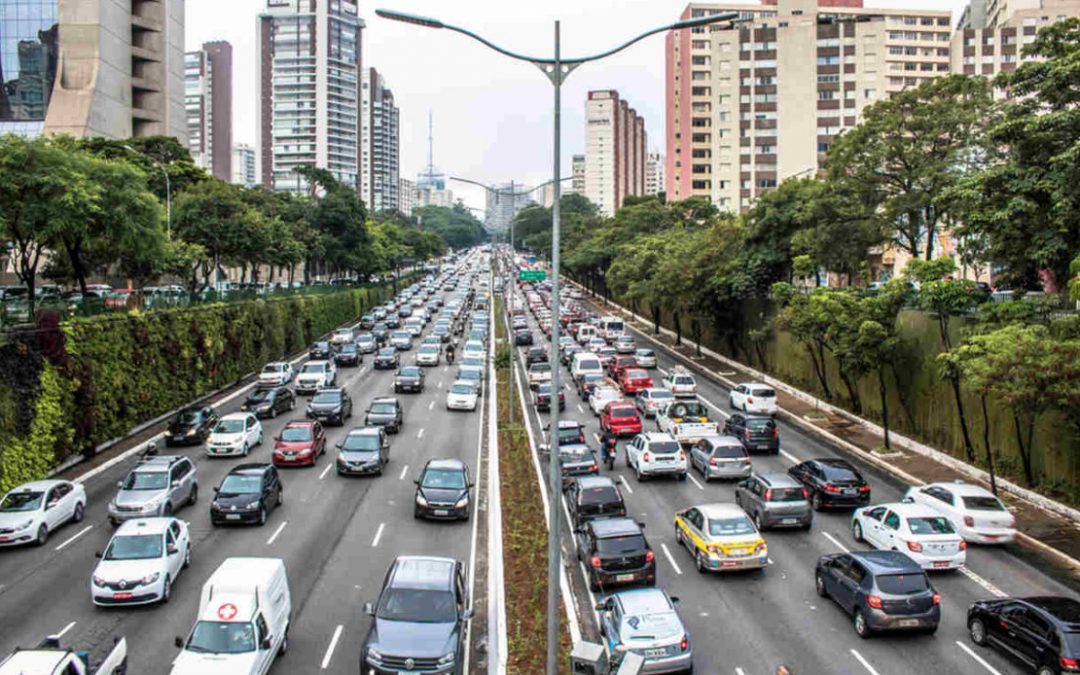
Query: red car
621, 418
300, 444
634, 380
621, 363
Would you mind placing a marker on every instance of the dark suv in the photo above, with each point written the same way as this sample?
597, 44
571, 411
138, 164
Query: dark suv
832, 482
321, 351
419, 620
591, 497
615, 553
1043, 633
756, 432
881, 590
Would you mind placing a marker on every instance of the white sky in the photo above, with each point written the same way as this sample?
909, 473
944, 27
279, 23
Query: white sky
492, 114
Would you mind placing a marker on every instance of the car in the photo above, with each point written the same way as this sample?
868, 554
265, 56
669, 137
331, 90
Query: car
246, 495
443, 490
366, 343
926, 536
649, 401
621, 418
235, 434
387, 358
401, 340
276, 374
415, 326
721, 538
342, 336
393, 322
442, 332
656, 454
832, 483
462, 395
687, 421
588, 382
330, 405
363, 451
379, 313
606, 355
566, 354
595, 344
409, 378
191, 426
624, 344
157, 486
474, 348
419, 621
720, 457
266, 403
645, 358
881, 590
576, 460
428, 355
320, 351
1042, 633
681, 383
755, 432
619, 363
543, 398
536, 355
753, 398
348, 354
976, 514
774, 499
523, 337
602, 395
300, 443
367, 321
616, 553
141, 562
644, 620
314, 375
570, 432
474, 375
632, 380
381, 332
433, 341
32, 511
591, 497
385, 412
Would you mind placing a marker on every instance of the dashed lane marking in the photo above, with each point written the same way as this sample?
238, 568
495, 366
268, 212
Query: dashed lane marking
671, 558
74, 537
836, 542
325, 471
330, 648
378, 535
274, 536
978, 658
864, 662
404, 470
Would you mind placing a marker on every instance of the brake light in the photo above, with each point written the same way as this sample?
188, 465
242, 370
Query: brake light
685, 644
963, 545
937, 598
806, 493
747, 434
645, 456
828, 487
749, 399
649, 556
682, 456
776, 432
1012, 521
712, 461
1065, 662
864, 488
873, 601
969, 521
595, 562
914, 546
768, 495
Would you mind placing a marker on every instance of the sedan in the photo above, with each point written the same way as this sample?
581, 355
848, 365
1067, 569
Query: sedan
462, 395
387, 358
621, 418
633, 380
832, 483
348, 354
644, 621
443, 490
428, 355
624, 344
645, 358
523, 337
141, 562
276, 374
401, 340
269, 402
974, 511
300, 443
366, 343
409, 378
1039, 632
720, 537
321, 351
32, 511
543, 398
924, 535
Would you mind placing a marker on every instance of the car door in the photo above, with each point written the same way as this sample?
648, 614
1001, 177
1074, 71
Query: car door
890, 530
850, 584
54, 507
871, 525
753, 496
1030, 636
209, 421
264, 656
698, 455
176, 484
174, 557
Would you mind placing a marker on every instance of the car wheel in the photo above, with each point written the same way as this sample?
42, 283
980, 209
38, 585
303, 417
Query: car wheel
978, 632
758, 522
682, 476
187, 556
816, 502
262, 516
1045, 670
819, 584
167, 509
637, 473
593, 585
699, 562
280, 498
80, 512
259, 441
856, 531
245, 451
731, 403
292, 404
862, 629
42, 535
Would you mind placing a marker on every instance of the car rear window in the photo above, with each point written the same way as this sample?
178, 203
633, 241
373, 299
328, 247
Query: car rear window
729, 451
630, 543
623, 412
758, 424
983, 503
902, 584
588, 364
599, 495
930, 525
789, 494
767, 393
664, 447
722, 527
840, 474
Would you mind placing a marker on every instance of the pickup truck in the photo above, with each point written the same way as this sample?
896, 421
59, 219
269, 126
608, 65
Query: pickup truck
49, 658
687, 421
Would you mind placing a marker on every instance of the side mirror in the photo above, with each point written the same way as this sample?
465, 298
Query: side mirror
97, 554
468, 614
908, 500
179, 642
217, 490
674, 599
265, 644
369, 609
120, 484
416, 482
641, 525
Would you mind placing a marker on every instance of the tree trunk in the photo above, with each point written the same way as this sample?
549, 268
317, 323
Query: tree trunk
695, 329
884, 406
74, 250
853, 393
931, 226
1025, 452
969, 449
986, 445
678, 329
656, 320
819, 369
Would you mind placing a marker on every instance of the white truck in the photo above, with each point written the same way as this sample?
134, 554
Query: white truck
687, 421
49, 658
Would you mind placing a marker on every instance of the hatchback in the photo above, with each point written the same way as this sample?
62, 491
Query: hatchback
644, 621
1043, 633
269, 402
926, 536
755, 432
191, 426
754, 398
246, 495
720, 457
364, 451
615, 553
775, 500
443, 490
300, 443
591, 497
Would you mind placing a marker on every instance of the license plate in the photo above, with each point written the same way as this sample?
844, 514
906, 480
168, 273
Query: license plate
624, 577
763, 446
232, 516
941, 563
789, 521
729, 563
737, 551
653, 653
907, 623
4, 540
121, 596
441, 512
850, 491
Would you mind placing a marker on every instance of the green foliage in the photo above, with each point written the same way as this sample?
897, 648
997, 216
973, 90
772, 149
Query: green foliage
504, 356
459, 228
29, 457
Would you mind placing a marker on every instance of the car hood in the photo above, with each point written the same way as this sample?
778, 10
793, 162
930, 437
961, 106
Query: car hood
325, 407
442, 494
407, 378
137, 497
384, 359
226, 438
12, 519
116, 570
293, 445
232, 499
193, 663
359, 455
402, 638
645, 629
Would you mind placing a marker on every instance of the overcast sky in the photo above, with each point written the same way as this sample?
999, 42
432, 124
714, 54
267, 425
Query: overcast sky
492, 114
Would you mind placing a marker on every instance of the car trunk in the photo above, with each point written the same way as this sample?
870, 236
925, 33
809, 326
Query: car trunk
903, 594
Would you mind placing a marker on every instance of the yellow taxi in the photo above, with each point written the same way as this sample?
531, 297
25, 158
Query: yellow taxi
720, 537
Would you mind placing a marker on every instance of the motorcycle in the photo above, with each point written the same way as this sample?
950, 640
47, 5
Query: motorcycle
610, 450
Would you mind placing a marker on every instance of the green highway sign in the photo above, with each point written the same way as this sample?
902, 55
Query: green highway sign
532, 275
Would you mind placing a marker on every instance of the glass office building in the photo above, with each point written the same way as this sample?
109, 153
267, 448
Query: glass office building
29, 38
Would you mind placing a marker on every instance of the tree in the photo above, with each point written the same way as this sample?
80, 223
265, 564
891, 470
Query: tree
213, 215
456, 225
805, 318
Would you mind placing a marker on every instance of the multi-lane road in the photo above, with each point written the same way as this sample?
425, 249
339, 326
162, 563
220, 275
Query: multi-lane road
750, 623
336, 535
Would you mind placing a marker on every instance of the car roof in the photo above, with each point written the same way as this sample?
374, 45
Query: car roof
912, 510
653, 436
158, 462
1064, 610
963, 489
236, 416
386, 399
720, 510
38, 485
885, 562
777, 479
652, 391
614, 527
250, 468
586, 482
423, 572
446, 463
143, 526
719, 440
644, 601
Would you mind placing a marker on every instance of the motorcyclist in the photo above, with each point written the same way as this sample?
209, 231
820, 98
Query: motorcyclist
450, 353
609, 444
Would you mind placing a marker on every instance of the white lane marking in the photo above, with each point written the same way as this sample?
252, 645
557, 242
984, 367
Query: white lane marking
75, 536
671, 558
404, 469
864, 662
978, 658
982, 582
66, 629
715, 407
420, 434
739, 671
378, 535
626, 484
330, 648
836, 542
440, 385
580, 409
662, 371
431, 405
790, 457
325, 471
694, 480
274, 536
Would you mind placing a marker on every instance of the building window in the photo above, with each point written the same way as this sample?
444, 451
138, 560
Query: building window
823, 148
828, 60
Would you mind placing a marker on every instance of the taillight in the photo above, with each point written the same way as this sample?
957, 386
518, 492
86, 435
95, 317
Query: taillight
806, 493
712, 461
685, 644
595, 562
873, 601
1012, 521
768, 495
963, 545
749, 399
776, 432
649, 556
830, 488
864, 488
747, 434
937, 598
682, 456
969, 521
914, 546
1065, 662
645, 456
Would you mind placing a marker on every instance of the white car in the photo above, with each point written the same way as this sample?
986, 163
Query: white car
141, 562
539, 373
427, 355
646, 358
921, 533
342, 335
474, 348
462, 395
624, 344
276, 374
975, 512
596, 344
656, 454
680, 382
754, 398
235, 434
601, 396
30, 512
314, 375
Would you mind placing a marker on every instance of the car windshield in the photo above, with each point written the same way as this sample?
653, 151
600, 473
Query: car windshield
137, 547
321, 346
296, 434
238, 484
930, 525
630, 543
902, 584
260, 395
760, 424
417, 605
361, 442
21, 501
446, 479
410, 371
604, 494
574, 453
220, 637
187, 417
462, 389
383, 408
146, 480
977, 503
348, 348
683, 379
312, 368
623, 413
388, 351
229, 427
327, 397
569, 432
725, 527
840, 475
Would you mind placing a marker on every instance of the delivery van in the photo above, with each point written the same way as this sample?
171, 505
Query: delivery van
585, 362
243, 620
586, 333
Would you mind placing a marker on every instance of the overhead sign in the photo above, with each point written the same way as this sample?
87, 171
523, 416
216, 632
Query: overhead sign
532, 275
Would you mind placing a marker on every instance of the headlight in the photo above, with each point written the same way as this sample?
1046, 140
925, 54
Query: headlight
447, 659
374, 654
252, 505
310, 410
420, 500
191, 432
150, 578
98, 581
25, 524
619, 648
461, 503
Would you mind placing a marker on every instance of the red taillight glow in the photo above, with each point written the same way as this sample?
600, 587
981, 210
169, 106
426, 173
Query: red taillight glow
969, 521
1067, 663
685, 644
750, 399
806, 493
963, 545
649, 556
776, 432
768, 495
830, 488
937, 598
682, 456
645, 456
914, 546
712, 461
595, 562
873, 601
747, 434
864, 488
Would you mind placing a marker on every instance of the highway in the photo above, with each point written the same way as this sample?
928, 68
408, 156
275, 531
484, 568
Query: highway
749, 623
337, 536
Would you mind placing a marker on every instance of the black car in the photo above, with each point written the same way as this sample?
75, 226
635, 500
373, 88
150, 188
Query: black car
756, 432
1043, 633
348, 355
367, 322
191, 426
571, 432
364, 451
593, 497
321, 351
419, 621
567, 354
543, 397
392, 321
380, 331
269, 402
330, 405
536, 355
881, 590
523, 337
387, 358
576, 460
832, 482
409, 378
615, 553
442, 491
246, 495
385, 412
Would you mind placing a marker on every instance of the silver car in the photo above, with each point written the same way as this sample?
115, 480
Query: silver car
720, 457
644, 621
401, 340
157, 486
646, 358
775, 500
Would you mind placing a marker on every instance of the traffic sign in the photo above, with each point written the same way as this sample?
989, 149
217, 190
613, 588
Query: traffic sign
532, 275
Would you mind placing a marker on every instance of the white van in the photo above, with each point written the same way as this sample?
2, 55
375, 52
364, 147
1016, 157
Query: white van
586, 333
243, 621
583, 363
611, 328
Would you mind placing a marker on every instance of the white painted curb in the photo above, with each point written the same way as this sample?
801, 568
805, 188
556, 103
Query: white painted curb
498, 643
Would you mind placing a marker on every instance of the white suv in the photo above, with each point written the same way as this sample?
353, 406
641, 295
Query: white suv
656, 454
681, 383
276, 374
141, 562
315, 375
754, 398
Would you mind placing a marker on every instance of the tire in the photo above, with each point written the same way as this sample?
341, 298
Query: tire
978, 632
593, 585
262, 516
80, 513
187, 557
292, 405
819, 585
42, 535
280, 498
856, 531
815, 502
246, 450
1045, 670
167, 509
166, 590
862, 629
683, 475
699, 562
284, 643
637, 473
758, 522
259, 441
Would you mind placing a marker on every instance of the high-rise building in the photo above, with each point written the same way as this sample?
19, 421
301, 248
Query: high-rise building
309, 91
243, 165
577, 184
111, 68
503, 202
752, 103
379, 144
208, 103
992, 33
654, 173
406, 196
615, 152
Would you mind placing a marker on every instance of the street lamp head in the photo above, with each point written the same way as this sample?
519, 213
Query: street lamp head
409, 18
704, 20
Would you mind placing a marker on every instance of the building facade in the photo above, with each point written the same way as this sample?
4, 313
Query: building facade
503, 201
406, 196
379, 144
992, 34
654, 173
751, 104
111, 68
615, 150
577, 183
243, 165
309, 91
208, 105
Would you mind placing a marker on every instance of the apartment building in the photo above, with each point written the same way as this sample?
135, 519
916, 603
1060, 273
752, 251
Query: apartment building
577, 182
309, 91
991, 34
654, 173
406, 196
756, 101
615, 150
502, 202
208, 107
379, 144
243, 165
